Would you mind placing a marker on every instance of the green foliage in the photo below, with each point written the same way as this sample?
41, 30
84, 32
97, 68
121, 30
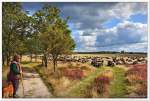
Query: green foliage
54, 31
44, 32
15, 29
55, 36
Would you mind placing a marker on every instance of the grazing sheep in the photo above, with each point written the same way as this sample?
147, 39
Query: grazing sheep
111, 63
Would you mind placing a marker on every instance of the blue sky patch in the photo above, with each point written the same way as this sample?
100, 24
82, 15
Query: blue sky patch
111, 23
139, 18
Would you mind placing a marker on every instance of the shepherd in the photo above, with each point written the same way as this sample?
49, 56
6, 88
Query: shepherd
15, 73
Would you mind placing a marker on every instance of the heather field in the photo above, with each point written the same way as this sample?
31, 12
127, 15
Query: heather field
83, 80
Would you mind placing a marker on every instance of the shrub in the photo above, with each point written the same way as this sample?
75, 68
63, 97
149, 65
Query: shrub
137, 77
101, 84
99, 88
73, 73
137, 74
142, 89
108, 73
102, 80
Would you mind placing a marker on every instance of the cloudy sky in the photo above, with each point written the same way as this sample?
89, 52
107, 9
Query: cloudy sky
104, 26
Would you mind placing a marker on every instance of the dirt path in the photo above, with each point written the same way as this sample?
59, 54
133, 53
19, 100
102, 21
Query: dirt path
33, 86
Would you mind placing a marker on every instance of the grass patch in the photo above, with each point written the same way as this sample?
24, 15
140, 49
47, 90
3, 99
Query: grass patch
118, 85
78, 89
117, 88
29, 65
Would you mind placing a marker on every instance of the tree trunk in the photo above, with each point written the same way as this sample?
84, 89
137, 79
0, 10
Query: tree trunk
42, 60
31, 57
3, 59
45, 60
8, 59
54, 64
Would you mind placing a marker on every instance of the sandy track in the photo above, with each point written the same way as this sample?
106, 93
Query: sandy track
33, 86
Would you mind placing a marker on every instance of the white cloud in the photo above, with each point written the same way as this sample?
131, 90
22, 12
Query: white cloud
86, 16
127, 30
88, 21
87, 40
138, 47
125, 10
124, 33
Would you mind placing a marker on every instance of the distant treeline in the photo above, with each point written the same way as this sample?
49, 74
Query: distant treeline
110, 52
